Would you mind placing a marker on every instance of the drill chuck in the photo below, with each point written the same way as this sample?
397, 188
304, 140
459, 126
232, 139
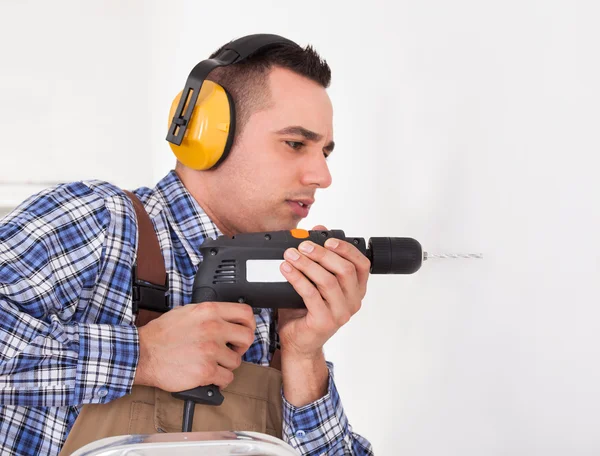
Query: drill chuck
394, 255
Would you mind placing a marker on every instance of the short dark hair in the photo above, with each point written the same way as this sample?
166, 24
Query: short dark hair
248, 83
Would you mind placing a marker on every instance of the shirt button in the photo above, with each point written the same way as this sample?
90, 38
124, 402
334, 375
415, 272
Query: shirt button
300, 434
103, 392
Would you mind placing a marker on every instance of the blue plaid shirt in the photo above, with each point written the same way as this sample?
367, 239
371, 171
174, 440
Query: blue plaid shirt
66, 328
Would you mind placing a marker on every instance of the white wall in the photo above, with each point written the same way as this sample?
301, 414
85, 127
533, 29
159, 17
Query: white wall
471, 126
73, 94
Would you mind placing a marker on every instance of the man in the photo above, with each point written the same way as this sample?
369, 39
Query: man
66, 332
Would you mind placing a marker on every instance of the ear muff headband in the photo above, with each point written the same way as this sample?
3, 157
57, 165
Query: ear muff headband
202, 128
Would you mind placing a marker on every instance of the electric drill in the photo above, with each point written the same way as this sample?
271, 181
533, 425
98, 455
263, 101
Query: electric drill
245, 269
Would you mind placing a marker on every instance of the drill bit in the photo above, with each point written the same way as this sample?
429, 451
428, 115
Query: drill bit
427, 255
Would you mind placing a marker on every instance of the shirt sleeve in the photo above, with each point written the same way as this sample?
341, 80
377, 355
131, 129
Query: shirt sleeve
52, 250
322, 428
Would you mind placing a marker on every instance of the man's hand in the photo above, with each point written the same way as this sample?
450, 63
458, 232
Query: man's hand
187, 346
339, 277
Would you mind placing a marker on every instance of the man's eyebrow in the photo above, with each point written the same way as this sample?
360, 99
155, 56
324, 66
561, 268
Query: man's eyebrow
307, 134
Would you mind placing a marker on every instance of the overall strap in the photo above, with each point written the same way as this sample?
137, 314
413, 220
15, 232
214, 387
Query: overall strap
150, 280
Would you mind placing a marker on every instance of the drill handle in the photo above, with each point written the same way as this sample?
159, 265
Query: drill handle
204, 294
208, 394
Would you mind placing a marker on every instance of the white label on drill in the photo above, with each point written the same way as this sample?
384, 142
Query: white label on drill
264, 271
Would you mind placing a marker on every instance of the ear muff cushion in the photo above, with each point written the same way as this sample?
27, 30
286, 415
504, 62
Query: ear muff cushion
209, 135
232, 127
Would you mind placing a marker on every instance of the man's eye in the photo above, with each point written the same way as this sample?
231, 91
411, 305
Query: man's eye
295, 144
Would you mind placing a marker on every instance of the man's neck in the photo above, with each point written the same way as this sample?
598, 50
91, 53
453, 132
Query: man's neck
201, 194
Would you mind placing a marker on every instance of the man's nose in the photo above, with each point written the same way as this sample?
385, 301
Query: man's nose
316, 172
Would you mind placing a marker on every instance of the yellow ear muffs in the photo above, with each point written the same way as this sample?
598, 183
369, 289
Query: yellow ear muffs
209, 134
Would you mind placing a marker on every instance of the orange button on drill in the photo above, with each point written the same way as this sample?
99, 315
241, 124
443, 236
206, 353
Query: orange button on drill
299, 233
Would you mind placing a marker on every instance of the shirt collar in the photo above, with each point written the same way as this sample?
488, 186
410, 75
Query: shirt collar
189, 221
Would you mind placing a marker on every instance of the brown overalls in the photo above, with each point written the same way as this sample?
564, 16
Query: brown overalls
252, 401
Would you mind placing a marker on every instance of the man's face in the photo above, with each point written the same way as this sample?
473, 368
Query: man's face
273, 164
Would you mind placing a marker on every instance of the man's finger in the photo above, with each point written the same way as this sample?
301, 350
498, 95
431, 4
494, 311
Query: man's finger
344, 270
223, 377
233, 312
355, 256
229, 358
317, 308
237, 335
328, 279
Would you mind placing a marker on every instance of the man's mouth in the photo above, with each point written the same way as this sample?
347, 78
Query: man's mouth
304, 202
301, 207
